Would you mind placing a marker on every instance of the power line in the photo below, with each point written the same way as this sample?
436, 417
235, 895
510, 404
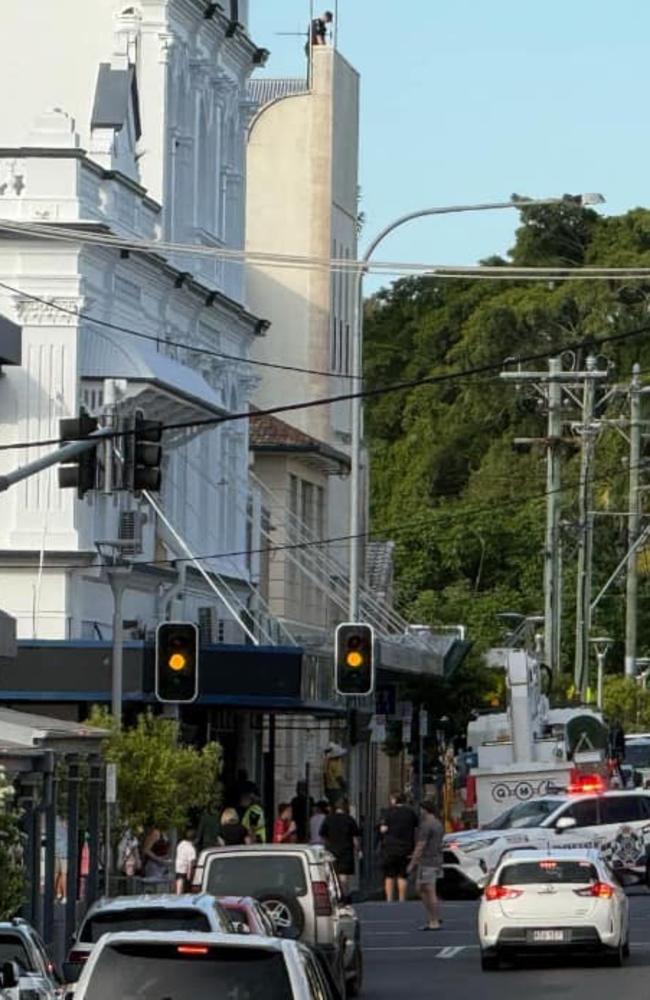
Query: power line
585, 342
80, 314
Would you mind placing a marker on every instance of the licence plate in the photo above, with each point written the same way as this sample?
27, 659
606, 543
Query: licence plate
548, 936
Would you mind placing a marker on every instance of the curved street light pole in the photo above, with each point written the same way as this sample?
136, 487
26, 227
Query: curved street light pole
357, 358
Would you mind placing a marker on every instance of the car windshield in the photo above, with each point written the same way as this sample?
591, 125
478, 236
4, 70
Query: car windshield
255, 875
524, 814
638, 754
188, 971
155, 918
545, 871
12, 949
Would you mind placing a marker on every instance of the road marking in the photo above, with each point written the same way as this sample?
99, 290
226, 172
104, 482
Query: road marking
455, 949
449, 952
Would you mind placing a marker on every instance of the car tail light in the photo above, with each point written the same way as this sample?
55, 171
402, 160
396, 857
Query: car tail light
599, 890
494, 892
77, 957
322, 901
192, 949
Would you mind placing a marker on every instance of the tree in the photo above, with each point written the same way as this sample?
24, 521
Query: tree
12, 871
466, 511
159, 781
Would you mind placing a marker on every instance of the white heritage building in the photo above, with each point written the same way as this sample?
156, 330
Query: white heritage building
130, 119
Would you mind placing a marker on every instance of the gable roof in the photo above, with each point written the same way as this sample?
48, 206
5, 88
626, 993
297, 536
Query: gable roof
270, 434
115, 89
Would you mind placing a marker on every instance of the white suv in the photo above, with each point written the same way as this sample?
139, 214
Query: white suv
298, 887
616, 823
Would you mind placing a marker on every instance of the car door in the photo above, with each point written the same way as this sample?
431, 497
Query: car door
584, 810
621, 836
346, 920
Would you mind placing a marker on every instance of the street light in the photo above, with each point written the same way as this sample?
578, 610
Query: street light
590, 198
601, 644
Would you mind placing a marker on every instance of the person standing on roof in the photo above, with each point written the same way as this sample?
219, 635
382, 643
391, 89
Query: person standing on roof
319, 28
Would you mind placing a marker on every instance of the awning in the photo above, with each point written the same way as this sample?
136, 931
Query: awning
121, 356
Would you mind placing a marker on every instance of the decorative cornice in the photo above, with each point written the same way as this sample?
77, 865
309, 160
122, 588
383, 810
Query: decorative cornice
46, 313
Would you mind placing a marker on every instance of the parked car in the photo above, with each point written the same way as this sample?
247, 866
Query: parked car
202, 967
298, 887
557, 901
618, 823
21, 945
9, 981
135, 913
249, 916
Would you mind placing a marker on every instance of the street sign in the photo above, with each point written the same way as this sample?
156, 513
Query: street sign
424, 722
111, 784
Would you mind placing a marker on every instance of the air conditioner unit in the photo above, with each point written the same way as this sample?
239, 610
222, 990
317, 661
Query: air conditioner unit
208, 625
130, 532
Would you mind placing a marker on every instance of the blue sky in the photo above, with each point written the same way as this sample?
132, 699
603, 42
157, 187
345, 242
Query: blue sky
467, 101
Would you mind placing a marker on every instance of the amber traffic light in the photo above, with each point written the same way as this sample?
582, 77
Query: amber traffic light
354, 659
177, 662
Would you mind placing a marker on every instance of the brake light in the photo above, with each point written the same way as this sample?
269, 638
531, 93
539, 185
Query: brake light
494, 892
322, 901
78, 957
192, 949
599, 890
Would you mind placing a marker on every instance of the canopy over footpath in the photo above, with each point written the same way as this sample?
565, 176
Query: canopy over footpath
465, 509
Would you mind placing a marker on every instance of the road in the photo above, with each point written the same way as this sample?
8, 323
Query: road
402, 961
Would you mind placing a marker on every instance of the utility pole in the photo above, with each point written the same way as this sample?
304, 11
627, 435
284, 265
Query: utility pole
552, 552
587, 432
633, 524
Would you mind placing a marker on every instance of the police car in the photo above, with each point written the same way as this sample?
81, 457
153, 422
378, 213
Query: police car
616, 823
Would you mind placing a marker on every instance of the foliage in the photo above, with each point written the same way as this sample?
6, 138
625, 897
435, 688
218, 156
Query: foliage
12, 872
159, 781
626, 702
466, 510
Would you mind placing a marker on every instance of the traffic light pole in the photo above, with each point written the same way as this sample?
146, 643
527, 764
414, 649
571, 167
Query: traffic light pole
118, 578
54, 458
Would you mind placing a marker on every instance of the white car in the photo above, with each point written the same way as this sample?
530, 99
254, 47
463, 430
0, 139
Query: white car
557, 901
198, 966
616, 823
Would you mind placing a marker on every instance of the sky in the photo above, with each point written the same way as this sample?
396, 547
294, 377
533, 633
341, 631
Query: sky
465, 101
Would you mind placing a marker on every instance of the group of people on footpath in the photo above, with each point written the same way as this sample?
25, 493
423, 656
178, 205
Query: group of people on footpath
411, 846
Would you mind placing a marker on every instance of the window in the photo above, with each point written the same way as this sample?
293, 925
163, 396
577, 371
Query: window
250, 875
584, 812
543, 872
621, 809
12, 949
143, 919
524, 814
147, 971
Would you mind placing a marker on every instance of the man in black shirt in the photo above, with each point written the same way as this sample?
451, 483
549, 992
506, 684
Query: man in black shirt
319, 28
343, 839
397, 828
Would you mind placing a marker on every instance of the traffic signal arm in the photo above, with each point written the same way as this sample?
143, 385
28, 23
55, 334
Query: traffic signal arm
57, 457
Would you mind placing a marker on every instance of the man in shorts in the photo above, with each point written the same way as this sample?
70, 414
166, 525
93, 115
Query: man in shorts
397, 828
427, 862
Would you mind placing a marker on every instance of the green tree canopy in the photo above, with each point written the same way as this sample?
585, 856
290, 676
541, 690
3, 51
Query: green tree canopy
12, 871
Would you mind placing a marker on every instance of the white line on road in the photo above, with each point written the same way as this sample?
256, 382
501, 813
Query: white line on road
449, 952
424, 947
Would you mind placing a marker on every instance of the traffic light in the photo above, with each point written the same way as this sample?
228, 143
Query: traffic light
79, 473
142, 454
177, 662
354, 659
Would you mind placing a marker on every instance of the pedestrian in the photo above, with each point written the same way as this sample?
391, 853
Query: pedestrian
321, 810
251, 813
319, 28
208, 832
342, 838
60, 859
129, 860
427, 862
185, 861
156, 855
397, 828
333, 773
233, 833
284, 828
301, 806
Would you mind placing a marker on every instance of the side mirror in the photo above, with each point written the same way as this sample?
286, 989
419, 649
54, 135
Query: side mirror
10, 975
565, 823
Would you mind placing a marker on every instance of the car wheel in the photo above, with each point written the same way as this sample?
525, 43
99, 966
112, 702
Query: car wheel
616, 956
355, 983
285, 912
489, 963
626, 949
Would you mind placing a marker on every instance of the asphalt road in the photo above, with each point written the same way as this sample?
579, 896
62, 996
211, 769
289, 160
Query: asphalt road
403, 962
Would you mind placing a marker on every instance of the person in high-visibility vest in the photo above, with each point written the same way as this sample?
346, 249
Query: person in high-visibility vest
252, 817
